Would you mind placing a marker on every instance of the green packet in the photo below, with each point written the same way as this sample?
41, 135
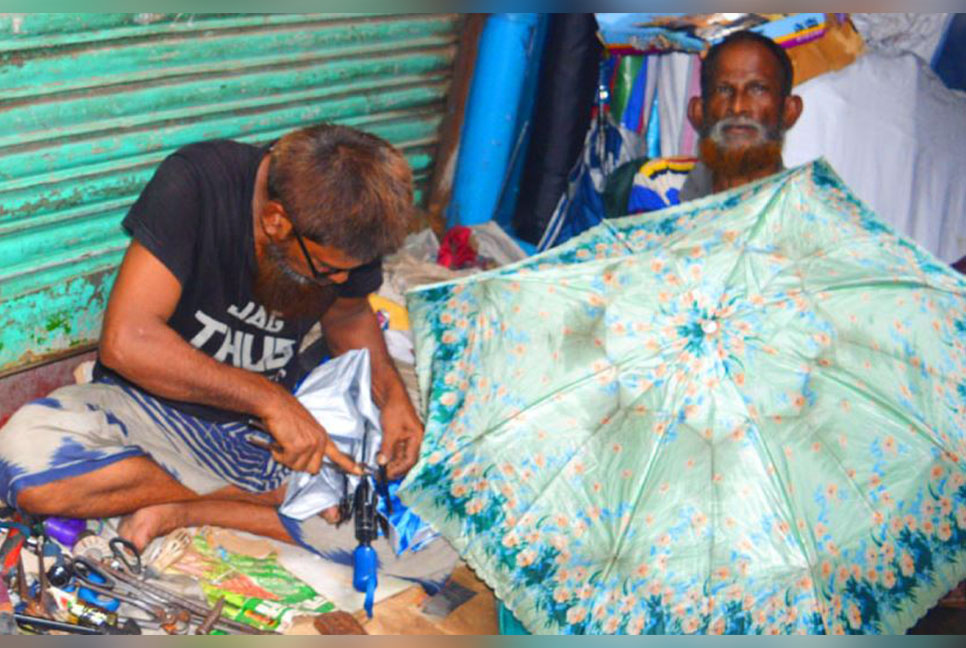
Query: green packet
269, 615
257, 591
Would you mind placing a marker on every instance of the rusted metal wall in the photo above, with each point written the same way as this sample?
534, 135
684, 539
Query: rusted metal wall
90, 103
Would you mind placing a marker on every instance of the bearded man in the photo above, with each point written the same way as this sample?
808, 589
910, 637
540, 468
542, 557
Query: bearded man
744, 110
237, 251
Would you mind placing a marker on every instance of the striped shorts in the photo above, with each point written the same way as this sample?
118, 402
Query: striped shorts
81, 428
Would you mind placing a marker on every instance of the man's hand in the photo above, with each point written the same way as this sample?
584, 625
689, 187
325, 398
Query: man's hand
350, 324
402, 434
301, 442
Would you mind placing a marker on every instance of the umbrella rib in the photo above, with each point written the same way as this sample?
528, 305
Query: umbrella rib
620, 236
659, 448
869, 393
565, 389
749, 233
792, 527
569, 388
868, 504
761, 442
787, 514
856, 343
545, 486
820, 600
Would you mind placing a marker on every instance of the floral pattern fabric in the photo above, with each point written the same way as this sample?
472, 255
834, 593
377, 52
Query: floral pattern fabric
743, 414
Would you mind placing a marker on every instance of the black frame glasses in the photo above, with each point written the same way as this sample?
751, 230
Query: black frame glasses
321, 276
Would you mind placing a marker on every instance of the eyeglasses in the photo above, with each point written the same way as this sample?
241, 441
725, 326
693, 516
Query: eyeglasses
322, 276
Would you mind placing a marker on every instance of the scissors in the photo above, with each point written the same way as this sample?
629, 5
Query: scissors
95, 587
124, 555
171, 617
171, 601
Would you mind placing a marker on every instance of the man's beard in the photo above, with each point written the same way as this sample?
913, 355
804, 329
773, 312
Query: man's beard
729, 161
279, 288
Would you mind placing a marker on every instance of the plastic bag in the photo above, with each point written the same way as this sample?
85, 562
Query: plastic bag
339, 395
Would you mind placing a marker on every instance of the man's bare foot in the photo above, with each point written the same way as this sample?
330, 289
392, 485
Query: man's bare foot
146, 524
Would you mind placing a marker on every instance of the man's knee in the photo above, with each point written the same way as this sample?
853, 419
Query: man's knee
10, 450
19, 433
9, 433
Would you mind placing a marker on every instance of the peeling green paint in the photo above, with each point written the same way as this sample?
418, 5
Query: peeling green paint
28, 333
59, 321
93, 102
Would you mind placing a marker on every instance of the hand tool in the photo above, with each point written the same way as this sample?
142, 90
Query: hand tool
208, 623
92, 616
37, 623
118, 552
84, 586
90, 578
29, 604
125, 556
363, 506
265, 441
43, 598
161, 595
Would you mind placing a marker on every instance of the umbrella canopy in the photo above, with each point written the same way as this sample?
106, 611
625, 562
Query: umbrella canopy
743, 414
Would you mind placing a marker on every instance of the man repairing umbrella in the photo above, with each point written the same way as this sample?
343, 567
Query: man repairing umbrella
237, 251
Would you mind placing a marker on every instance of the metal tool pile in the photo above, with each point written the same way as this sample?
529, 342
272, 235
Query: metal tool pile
89, 586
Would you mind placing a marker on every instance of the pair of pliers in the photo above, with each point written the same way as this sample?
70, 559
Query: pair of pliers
89, 575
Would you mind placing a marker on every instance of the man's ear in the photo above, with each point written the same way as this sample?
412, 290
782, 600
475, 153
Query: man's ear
696, 113
791, 111
275, 222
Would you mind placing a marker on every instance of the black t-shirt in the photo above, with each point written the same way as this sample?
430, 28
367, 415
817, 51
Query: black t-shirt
195, 216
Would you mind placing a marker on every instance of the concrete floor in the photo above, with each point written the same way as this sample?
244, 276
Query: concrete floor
401, 615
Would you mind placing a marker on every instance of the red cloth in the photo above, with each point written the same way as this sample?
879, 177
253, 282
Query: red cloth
455, 250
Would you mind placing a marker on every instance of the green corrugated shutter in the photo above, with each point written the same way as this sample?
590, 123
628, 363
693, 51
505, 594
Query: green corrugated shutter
90, 103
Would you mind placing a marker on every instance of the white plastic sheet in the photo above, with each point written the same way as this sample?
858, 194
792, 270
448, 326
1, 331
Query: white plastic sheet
339, 395
897, 136
896, 33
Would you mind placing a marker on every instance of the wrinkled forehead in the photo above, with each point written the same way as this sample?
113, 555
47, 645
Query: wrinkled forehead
746, 60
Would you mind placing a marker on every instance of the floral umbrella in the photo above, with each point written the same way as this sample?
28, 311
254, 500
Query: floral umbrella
743, 414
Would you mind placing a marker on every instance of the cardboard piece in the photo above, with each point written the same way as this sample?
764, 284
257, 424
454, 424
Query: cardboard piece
234, 543
403, 614
840, 45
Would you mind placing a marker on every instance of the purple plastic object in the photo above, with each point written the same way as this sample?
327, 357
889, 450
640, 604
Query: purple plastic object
65, 530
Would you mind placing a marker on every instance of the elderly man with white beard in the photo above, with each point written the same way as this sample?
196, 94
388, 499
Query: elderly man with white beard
744, 110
